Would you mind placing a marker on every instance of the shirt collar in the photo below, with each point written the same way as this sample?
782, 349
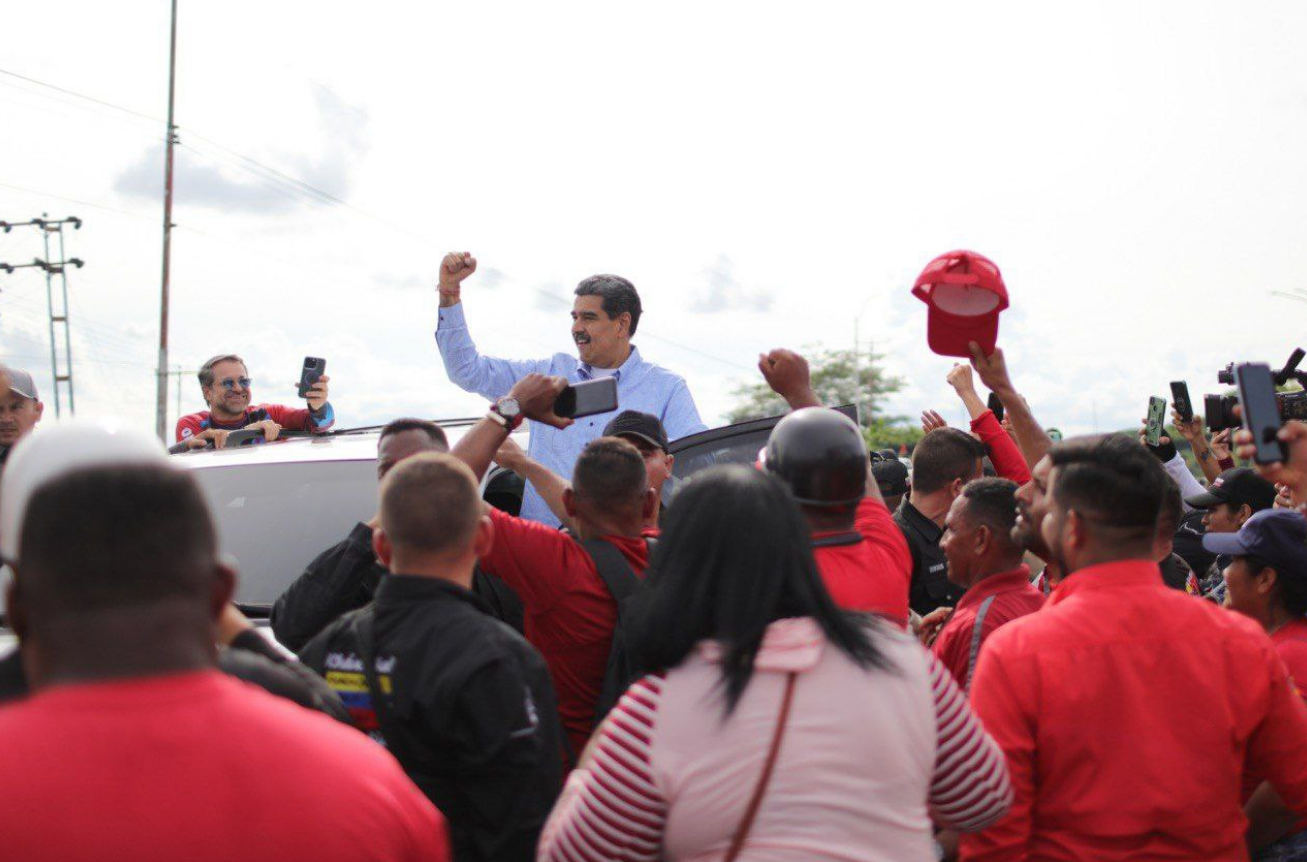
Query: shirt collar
623, 370
403, 589
1003, 582
1119, 575
928, 528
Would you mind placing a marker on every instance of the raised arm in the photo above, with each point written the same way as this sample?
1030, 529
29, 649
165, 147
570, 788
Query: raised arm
485, 375
1031, 437
786, 372
1006, 456
1197, 437
548, 484
535, 395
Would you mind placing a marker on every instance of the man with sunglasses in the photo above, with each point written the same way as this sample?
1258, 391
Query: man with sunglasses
226, 385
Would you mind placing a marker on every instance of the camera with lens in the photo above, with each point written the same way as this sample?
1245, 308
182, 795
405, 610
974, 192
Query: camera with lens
1219, 409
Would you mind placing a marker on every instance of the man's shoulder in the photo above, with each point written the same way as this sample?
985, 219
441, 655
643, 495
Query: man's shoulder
658, 373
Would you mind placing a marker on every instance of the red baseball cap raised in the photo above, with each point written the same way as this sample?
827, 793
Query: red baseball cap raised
965, 292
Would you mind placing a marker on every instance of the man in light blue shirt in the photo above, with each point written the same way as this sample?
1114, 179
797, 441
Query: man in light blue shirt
604, 319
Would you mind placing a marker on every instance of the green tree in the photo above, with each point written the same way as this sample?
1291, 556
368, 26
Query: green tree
838, 377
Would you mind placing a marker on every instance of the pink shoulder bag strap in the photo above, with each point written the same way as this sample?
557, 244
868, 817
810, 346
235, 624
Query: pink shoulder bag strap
746, 824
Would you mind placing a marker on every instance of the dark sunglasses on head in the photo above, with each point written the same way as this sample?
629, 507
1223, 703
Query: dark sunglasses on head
230, 383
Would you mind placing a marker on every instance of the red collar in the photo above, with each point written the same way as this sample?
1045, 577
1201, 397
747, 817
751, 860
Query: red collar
991, 585
1120, 575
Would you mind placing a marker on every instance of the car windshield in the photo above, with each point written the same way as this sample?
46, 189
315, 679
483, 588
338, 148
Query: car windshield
274, 518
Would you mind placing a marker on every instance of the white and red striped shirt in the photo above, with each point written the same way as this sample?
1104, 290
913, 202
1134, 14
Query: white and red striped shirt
617, 807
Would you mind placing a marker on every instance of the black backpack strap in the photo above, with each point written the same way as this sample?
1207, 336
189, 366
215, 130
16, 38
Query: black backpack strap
614, 570
385, 724
837, 540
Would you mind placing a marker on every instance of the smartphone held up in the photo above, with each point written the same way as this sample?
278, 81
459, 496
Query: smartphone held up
1261, 410
587, 399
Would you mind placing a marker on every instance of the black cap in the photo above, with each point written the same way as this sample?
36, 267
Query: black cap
633, 423
821, 455
1238, 486
891, 477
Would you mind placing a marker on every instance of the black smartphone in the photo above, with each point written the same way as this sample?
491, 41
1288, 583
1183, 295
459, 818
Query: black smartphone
1261, 412
587, 399
1180, 398
311, 373
996, 405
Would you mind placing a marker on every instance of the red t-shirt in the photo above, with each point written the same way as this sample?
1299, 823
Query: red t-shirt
1013, 597
570, 615
298, 418
872, 575
203, 768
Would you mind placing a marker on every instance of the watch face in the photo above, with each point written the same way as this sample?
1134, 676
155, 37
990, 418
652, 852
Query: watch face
508, 407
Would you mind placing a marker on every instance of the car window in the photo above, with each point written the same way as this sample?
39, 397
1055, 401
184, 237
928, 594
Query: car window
275, 518
731, 444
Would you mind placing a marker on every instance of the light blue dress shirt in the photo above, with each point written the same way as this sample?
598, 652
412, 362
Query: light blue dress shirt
641, 386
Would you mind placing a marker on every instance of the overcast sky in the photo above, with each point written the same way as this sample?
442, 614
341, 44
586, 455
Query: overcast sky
766, 174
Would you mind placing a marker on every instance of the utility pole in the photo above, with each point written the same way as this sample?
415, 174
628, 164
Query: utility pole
61, 355
179, 374
161, 401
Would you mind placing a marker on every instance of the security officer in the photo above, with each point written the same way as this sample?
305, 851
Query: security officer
862, 558
944, 461
462, 701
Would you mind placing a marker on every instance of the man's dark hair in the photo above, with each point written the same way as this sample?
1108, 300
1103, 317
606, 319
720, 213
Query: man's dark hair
434, 431
735, 556
610, 473
430, 503
1172, 509
618, 296
992, 503
144, 535
943, 456
1110, 480
206, 370
1291, 587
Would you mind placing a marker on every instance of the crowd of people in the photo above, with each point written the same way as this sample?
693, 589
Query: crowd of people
1012, 648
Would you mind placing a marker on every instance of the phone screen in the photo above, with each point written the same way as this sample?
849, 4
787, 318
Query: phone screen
1180, 398
1156, 418
587, 399
1261, 412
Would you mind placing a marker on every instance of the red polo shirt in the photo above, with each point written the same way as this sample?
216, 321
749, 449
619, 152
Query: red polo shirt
1012, 596
1127, 712
569, 613
871, 575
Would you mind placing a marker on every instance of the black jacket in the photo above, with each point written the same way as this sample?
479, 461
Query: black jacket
470, 712
249, 658
344, 577
930, 586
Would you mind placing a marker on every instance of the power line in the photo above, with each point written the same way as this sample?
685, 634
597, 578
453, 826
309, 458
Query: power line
80, 96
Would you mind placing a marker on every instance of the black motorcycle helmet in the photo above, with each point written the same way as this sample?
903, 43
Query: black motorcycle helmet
821, 455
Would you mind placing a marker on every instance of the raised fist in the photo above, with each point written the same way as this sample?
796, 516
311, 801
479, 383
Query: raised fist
456, 266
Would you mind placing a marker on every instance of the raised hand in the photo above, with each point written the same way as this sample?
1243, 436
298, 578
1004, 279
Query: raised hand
454, 269
992, 370
317, 393
1191, 430
961, 379
786, 372
536, 394
1292, 471
930, 420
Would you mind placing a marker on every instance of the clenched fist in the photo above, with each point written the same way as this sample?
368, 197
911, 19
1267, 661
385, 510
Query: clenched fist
456, 267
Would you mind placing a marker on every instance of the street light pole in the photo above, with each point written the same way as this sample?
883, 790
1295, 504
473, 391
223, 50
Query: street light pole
161, 400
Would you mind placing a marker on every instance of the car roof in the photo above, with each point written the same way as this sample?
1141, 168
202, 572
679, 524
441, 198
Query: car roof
351, 444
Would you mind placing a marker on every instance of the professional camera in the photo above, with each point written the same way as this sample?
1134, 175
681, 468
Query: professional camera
1219, 409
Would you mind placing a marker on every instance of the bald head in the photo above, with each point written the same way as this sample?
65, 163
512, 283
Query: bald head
430, 507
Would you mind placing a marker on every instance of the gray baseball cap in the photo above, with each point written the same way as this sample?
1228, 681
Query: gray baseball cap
20, 383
